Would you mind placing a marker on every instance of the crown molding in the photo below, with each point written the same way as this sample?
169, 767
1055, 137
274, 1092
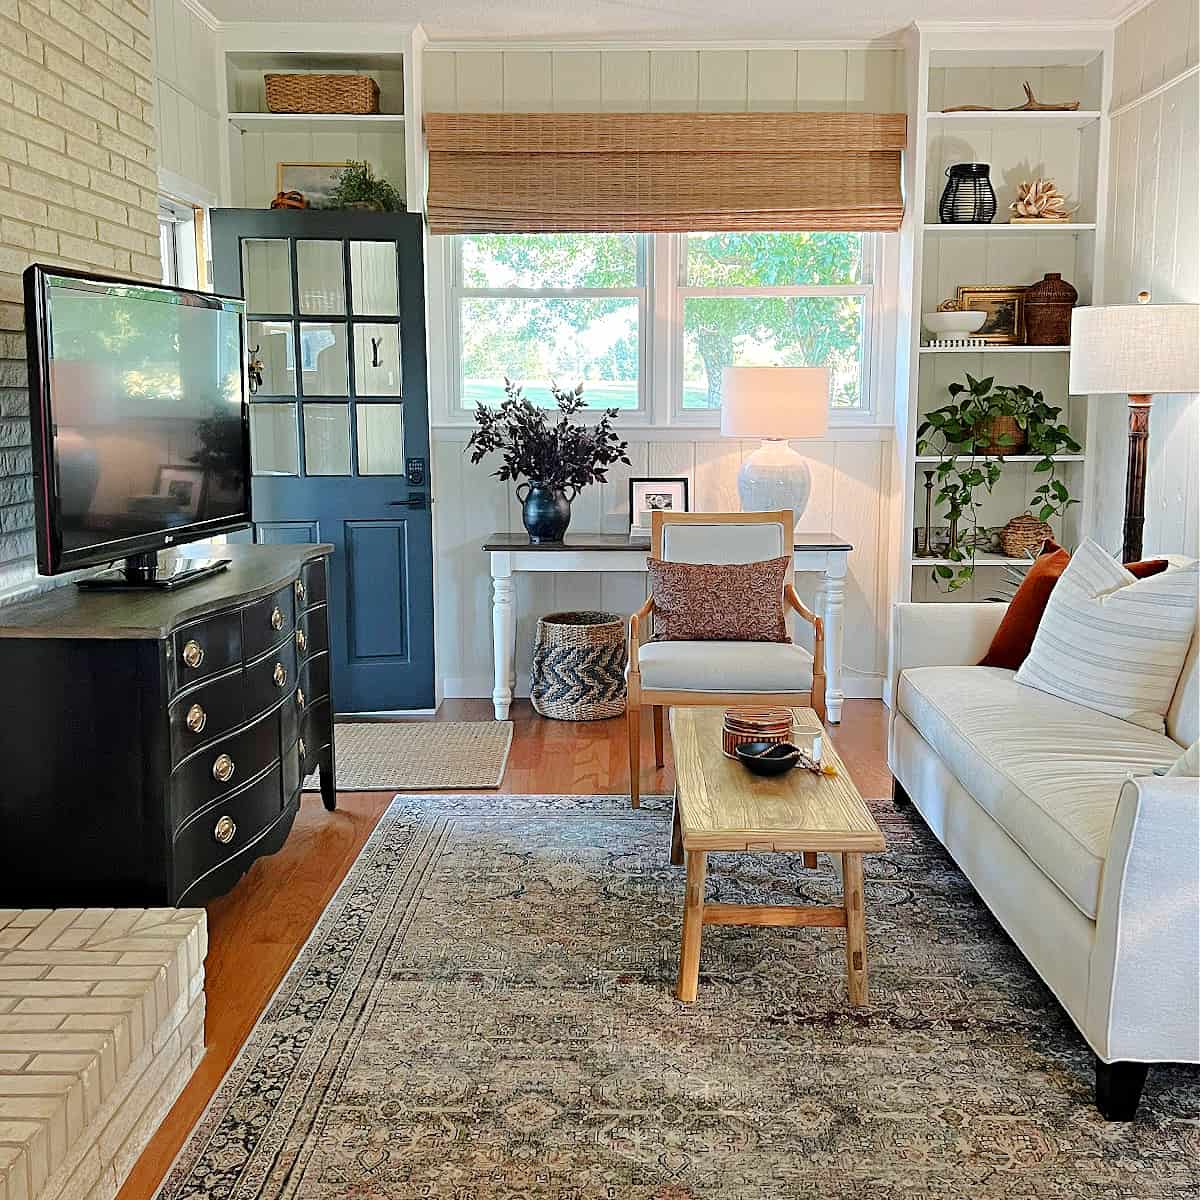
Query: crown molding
468, 45
199, 11
1099, 25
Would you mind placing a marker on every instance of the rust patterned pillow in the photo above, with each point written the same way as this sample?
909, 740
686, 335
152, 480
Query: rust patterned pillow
718, 602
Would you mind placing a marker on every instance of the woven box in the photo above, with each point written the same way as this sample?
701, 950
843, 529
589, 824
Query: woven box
357, 94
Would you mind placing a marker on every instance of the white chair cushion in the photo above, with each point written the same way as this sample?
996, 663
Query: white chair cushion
1048, 772
725, 667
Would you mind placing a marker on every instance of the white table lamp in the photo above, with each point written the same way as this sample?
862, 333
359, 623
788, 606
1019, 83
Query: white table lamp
775, 404
1135, 350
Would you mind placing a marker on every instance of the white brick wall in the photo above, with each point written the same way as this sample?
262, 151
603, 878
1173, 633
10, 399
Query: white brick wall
77, 187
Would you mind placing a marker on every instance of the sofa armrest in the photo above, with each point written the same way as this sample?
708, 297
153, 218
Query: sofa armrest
1144, 990
941, 635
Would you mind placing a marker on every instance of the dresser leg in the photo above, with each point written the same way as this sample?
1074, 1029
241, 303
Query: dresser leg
328, 789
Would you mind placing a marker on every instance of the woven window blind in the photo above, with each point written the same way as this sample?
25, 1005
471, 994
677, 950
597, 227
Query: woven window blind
663, 172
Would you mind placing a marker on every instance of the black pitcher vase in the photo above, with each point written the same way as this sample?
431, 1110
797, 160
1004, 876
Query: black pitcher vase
545, 511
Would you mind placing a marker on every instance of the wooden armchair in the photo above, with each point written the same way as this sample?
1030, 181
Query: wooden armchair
725, 673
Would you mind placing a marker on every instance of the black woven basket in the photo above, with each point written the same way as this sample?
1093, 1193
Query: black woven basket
579, 666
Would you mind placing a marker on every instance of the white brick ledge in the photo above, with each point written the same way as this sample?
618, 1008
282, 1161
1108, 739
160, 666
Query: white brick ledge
101, 1025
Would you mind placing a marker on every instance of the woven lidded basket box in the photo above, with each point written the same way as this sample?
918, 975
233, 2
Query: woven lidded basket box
357, 94
579, 666
1023, 534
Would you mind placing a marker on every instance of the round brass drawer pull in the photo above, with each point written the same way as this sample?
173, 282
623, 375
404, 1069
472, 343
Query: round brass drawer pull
301, 640
224, 830
279, 675
299, 589
303, 752
299, 697
276, 618
196, 719
223, 768
193, 653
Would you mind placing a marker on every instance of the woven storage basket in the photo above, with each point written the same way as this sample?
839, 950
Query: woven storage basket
993, 429
579, 666
357, 94
1023, 534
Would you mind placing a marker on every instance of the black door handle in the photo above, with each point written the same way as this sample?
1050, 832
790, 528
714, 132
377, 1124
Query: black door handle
416, 500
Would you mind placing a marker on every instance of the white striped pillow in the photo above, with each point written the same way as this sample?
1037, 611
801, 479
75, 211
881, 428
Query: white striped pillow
1111, 642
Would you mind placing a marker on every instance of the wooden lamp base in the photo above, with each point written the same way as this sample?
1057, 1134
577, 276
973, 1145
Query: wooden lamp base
1135, 476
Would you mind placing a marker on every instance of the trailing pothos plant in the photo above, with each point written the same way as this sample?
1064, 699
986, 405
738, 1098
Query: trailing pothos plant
557, 454
957, 433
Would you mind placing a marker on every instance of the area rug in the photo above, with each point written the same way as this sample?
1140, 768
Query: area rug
380, 756
485, 1012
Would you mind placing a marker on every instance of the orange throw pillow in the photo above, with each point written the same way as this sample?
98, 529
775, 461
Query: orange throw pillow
1012, 640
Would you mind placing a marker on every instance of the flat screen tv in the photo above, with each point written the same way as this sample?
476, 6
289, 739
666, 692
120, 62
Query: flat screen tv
139, 420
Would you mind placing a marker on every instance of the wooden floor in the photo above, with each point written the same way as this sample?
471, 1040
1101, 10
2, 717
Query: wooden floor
257, 929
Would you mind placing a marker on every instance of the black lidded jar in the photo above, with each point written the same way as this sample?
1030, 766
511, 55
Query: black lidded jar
968, 198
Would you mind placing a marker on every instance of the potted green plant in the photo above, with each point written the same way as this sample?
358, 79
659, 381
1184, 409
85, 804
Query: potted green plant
358, 187
552, 456
971, 437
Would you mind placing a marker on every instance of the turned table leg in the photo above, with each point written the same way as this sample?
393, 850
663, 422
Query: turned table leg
856, 929
693, 927
504, 633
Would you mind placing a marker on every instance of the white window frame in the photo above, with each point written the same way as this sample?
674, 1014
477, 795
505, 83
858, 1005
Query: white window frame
181, 227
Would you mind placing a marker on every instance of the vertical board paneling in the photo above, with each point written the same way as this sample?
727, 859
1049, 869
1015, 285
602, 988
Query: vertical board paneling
527, 81
821, 81
439, 69
771, 81
576, 81
674, 80
722, 80
625, 80
479, 78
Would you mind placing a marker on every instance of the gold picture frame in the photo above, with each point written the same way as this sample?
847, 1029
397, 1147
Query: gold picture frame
1005, 308
316, 180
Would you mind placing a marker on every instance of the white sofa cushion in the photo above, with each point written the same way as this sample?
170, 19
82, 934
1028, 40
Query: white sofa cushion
1187, 764
725, 667
1112, 642
1048, 771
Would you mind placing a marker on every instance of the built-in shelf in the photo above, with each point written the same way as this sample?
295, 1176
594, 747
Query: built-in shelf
256, 122
1012, 458
1077, 119
1009, 228
995, 349
981, 560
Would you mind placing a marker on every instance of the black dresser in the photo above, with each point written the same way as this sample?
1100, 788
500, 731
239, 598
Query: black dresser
153, 745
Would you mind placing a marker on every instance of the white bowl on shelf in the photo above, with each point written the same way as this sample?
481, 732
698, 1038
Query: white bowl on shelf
953, 324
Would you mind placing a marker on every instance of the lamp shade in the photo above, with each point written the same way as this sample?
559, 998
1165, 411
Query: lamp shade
775, 402
1134, 349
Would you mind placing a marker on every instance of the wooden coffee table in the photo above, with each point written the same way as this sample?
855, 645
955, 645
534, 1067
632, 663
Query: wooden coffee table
720, 805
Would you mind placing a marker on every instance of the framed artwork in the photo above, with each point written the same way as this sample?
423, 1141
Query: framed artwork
183, 485
316, 180
648, 494
1005, 308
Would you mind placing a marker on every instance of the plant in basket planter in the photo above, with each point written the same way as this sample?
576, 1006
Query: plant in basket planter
552, 453
358, 187
982, 424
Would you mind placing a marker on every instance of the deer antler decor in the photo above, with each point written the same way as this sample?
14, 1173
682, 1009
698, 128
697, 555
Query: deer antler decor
1032, 104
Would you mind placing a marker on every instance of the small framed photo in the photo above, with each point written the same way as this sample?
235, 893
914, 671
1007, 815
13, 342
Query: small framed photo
184, 486
1005, 308
316, 180
650, 495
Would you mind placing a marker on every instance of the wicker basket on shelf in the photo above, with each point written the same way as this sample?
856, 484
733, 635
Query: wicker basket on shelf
988, 434
1024, 533
579, 666
351, 94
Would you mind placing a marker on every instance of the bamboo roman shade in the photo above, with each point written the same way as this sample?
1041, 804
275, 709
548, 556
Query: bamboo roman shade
663, 172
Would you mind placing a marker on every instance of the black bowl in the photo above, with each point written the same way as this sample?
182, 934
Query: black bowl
767, 758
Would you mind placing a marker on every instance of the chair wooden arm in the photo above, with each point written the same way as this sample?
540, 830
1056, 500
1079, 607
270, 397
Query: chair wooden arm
635, 632
794, 602
818, 689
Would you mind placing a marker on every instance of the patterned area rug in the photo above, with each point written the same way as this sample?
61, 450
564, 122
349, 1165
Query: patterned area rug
415, 756
486, 1011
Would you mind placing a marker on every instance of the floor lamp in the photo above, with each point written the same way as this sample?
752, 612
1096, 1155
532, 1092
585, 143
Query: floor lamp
1135, 349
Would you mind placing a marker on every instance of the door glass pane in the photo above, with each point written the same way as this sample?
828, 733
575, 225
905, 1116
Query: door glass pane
373, 283
267, 275
320, 278
327, 439
323, 358
269, 343
377, 360
273, 444
380, 439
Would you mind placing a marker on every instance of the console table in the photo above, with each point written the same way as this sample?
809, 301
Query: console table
823, 554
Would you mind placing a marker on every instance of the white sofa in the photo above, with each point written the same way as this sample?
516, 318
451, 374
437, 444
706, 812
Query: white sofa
1089, 861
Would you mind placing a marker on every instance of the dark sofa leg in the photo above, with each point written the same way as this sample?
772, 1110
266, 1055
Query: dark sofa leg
1119, 1088
899, 796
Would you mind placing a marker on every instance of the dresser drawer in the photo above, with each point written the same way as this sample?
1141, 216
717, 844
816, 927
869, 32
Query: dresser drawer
224, 766
316, 731
310, 587
291, 776
290, 716
205, 713
205, 648
312, 633
213, 836
267, 622
314, 680
270, 678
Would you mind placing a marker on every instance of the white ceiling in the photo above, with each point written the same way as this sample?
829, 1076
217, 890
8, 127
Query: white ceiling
664, 20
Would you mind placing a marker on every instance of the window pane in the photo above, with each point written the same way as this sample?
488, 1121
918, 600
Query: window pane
327, 439
538, 339
320, 278
373, 279
550, 260
273, 440
323, 359
380, 438
267, 276
269, 343
772, 331
773, 259
376, 360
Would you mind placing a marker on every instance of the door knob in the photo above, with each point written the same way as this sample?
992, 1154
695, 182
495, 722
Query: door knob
414, 501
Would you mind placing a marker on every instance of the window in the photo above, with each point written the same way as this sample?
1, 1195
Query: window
582, 306
180, 243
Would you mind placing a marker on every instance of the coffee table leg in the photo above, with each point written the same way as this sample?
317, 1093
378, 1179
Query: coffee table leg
676, 835
693, 926
856, 929
810, 859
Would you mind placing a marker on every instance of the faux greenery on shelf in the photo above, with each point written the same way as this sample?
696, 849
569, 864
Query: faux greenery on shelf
357, 186
556, 454
959, 431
